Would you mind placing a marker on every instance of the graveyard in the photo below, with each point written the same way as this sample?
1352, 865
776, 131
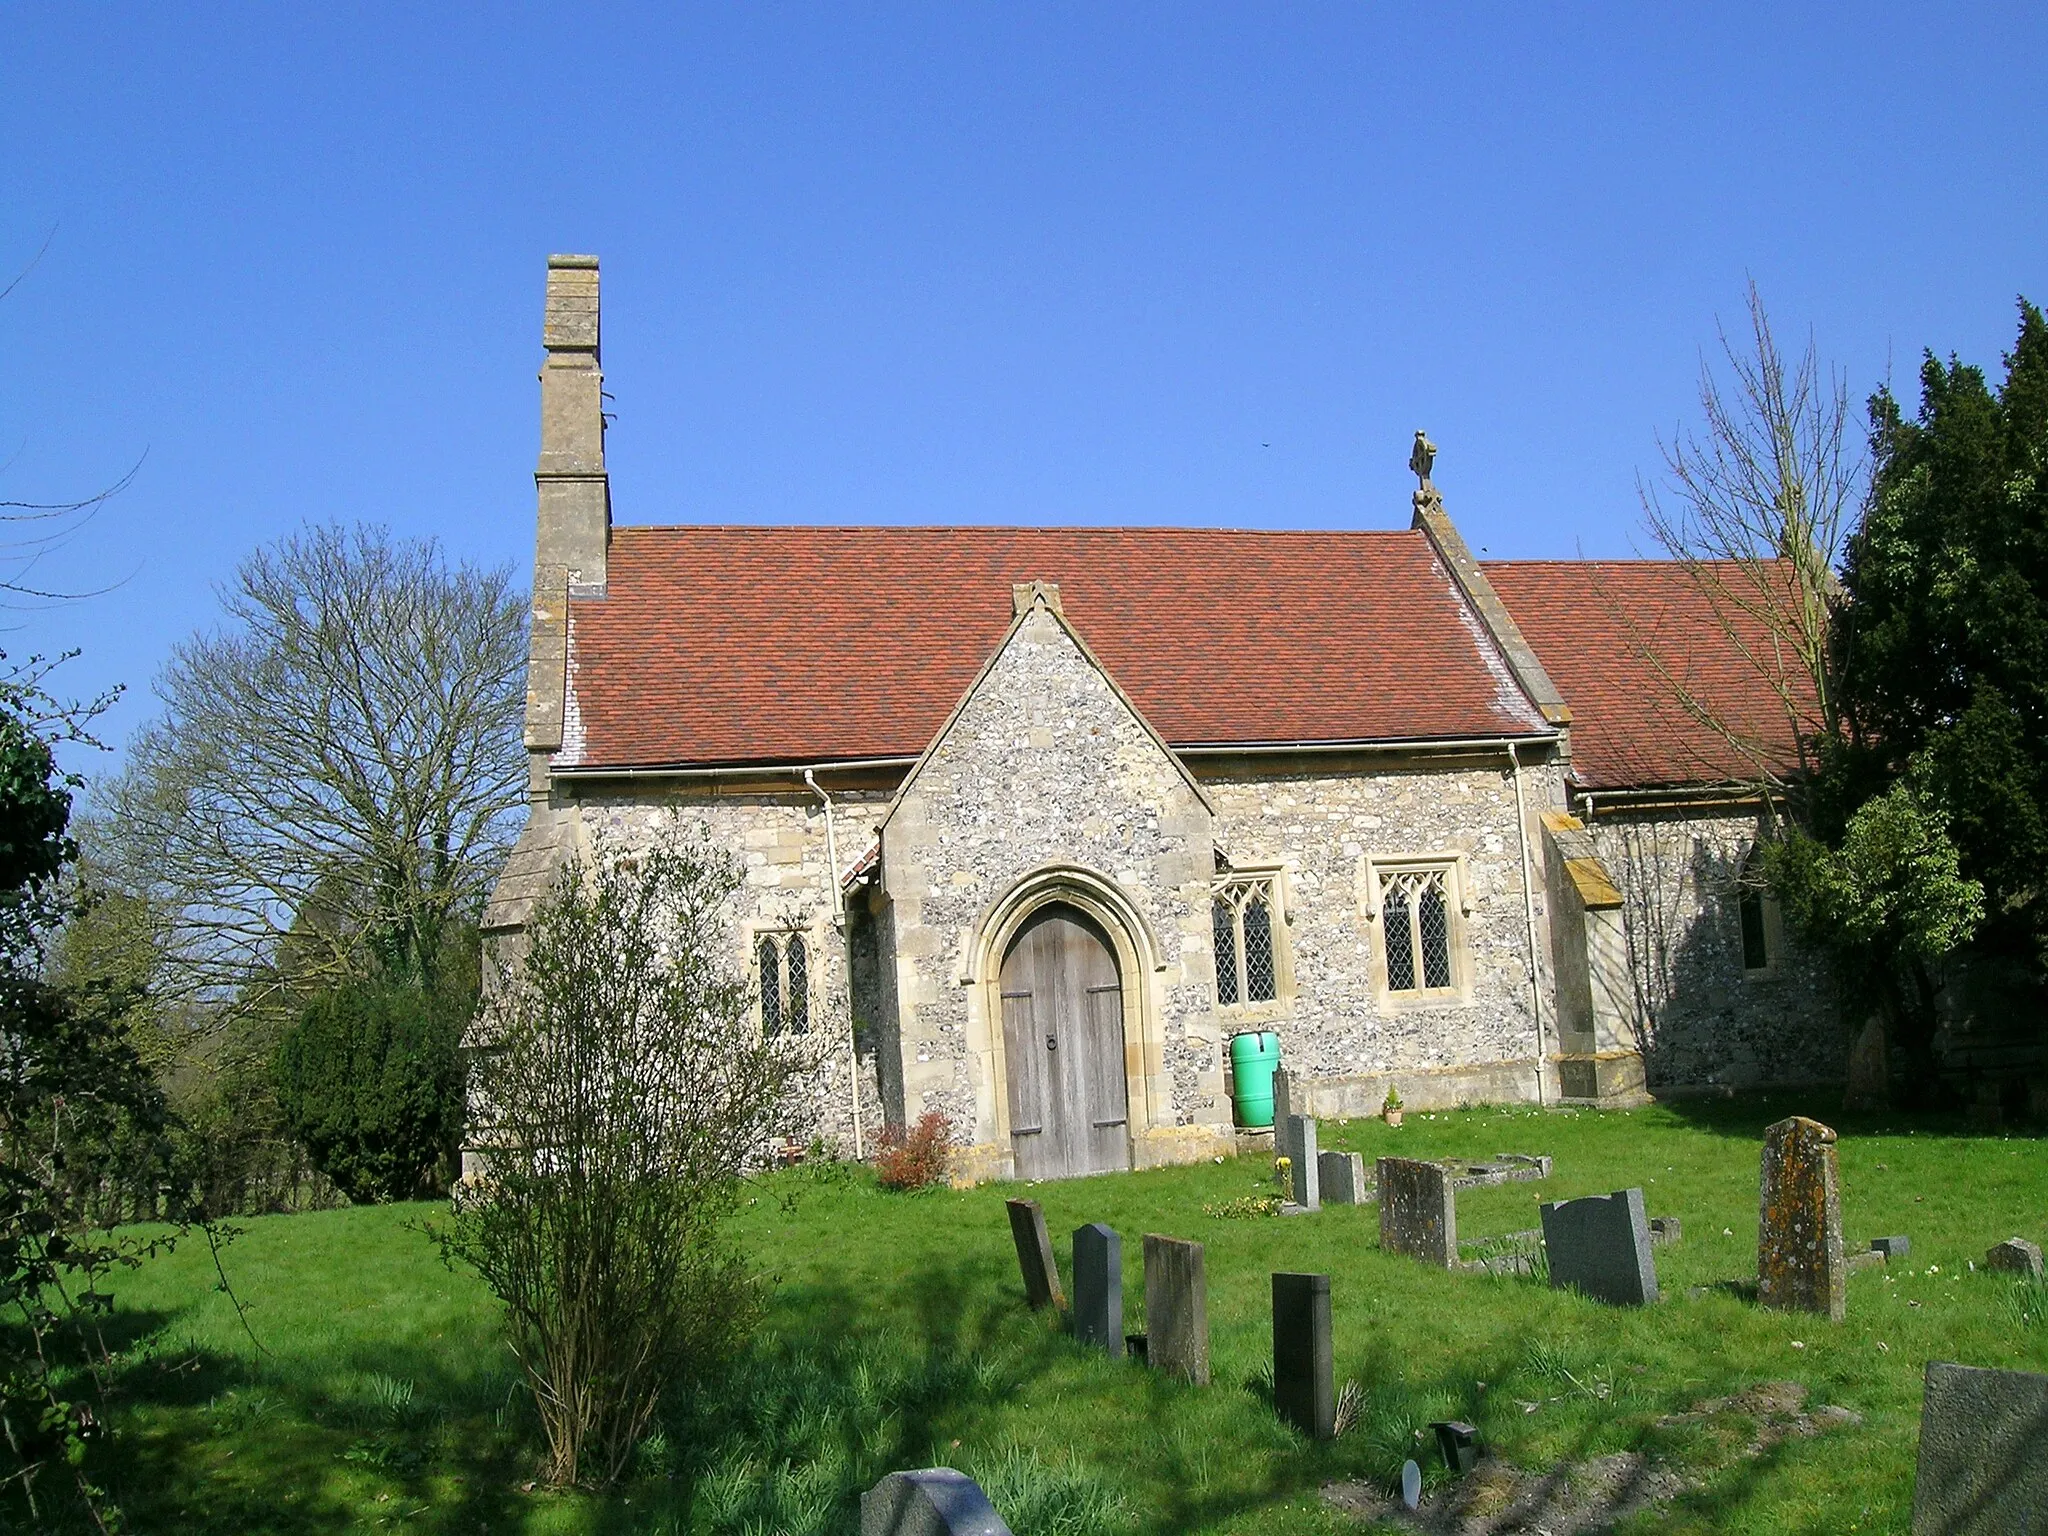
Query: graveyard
368, 1390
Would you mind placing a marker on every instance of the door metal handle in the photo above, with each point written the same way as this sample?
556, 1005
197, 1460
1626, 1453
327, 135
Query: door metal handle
1052, 1042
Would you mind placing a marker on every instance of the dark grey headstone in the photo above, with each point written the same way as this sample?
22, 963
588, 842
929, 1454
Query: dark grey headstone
1283, 1106
1176, 1308
1340, 1177
1034, 1254
1301, 1152
1459, 1443
1304, 1369
2014, 1256
1601, 1245
1418, 1211
1982, 1471
934, 1502
1892, 1247
1099, 1287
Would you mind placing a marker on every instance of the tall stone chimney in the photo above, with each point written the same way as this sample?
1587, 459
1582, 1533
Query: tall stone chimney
575, 516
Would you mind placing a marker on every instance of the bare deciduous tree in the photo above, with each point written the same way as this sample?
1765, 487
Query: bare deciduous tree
335, 768
622, 1085
1755, 506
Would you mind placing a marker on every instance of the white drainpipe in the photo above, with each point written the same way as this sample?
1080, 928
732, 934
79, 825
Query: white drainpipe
846, 939
1529, 915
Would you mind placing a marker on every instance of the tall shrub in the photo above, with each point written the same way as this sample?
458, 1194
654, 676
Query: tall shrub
370, 1082
622, 1091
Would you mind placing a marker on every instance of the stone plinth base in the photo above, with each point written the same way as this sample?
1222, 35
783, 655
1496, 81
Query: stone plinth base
1611, 1079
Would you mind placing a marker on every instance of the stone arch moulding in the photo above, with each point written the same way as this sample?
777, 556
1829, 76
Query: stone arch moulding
1148, 1090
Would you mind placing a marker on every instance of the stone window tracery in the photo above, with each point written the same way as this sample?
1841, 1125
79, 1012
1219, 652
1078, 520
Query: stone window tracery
1241, 921
784, 963
1420, 905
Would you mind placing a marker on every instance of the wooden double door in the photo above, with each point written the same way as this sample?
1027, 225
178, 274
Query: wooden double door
1063, 1038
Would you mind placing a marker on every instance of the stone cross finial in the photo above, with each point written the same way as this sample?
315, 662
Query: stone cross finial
1422, 459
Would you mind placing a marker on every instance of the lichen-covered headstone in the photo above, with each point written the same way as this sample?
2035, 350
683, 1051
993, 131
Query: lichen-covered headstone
2015, 1256
1418, 1211
1176, 1308
1799, 1260
1034, 1254
935, 1501
1982, 1469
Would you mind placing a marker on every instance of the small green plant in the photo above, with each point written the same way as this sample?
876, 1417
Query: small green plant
1392, 1101
1244, 1206
917, 1158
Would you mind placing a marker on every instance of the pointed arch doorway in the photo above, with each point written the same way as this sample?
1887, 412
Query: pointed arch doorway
1063, 1047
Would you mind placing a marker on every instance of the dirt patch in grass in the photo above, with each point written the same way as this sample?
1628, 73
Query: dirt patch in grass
1595, 1494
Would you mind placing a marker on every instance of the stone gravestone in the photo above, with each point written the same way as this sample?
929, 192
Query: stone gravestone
1418, 1211
1283, 1106
1340, 1178
1982, 1470
934, 1502
2014, 1256
1601, 1245
1301, 1153
1099, 1287
1176, 1308
1892, 1247
1034, 1254
1304, 1369
1799, 1263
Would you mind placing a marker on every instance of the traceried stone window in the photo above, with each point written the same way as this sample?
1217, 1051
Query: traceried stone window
1241, 917
784, 963
1420, 906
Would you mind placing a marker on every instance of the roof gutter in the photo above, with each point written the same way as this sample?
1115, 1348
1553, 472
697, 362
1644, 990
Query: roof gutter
798, 771
1375, 744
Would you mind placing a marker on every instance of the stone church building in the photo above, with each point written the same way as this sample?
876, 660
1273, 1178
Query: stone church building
1034, 820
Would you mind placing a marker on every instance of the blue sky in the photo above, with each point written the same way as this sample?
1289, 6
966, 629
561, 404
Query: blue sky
955, 263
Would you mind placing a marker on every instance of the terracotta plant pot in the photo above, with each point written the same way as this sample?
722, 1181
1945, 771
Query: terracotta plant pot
1391, 1116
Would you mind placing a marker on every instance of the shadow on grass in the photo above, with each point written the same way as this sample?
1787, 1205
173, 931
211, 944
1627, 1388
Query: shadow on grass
1744, 1116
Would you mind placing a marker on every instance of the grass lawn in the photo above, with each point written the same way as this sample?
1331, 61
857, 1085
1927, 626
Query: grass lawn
381, 1399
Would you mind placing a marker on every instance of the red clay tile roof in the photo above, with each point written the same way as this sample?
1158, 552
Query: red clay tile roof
1620, 638
753, 645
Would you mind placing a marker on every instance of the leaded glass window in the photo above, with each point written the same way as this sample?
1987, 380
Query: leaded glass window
784, 961
1247, 964
1415, 919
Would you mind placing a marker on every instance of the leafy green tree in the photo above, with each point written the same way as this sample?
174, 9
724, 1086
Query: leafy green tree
1944, 637
370, 1081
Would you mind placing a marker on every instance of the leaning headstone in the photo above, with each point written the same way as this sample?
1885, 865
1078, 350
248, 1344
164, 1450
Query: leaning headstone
1892, 1247
1411, 1485
1304, 1369
1099, 1287
934, 1502
1418, 1211
1601, 1245
1176, 1308
1340, 1177
1301, 1149
1034, 1254
1799, 1260
1981, 1469
2015, 1256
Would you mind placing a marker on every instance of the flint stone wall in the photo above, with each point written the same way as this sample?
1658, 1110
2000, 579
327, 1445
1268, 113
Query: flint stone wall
1044, 764
1703, 1020
779, 838
1343, 1036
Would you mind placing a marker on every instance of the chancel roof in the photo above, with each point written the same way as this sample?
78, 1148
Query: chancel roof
1626, 641
738, 645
